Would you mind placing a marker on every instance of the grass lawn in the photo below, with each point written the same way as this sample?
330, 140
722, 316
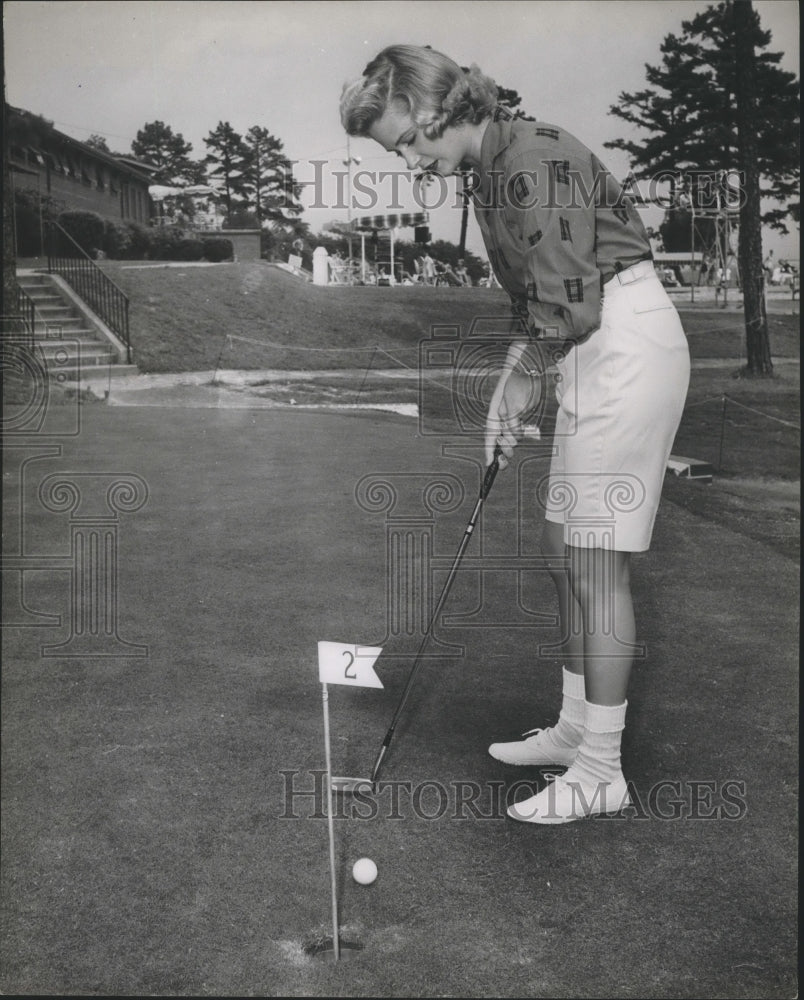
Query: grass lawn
181, 318
151, 846
162, 830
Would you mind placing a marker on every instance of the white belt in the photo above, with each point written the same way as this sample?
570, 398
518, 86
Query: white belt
642, 269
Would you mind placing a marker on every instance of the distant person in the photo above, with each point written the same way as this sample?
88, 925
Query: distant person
449, 277
583, 287
428, 270
462, 274
489, 277
709, 269
768, 266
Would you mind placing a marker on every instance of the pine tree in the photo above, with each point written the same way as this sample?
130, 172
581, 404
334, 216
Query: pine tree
96, 141
158, 145
719, 101
689, 111
226, 163
268, 181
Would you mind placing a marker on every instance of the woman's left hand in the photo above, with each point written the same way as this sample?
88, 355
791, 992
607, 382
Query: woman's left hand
515, 395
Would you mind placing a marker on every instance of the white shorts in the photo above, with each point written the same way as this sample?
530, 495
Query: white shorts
621, 394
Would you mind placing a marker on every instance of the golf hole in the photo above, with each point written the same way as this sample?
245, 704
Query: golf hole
325, 948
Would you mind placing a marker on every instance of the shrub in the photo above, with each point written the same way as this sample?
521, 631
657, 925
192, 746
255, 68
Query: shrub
124, 239
30, 214
189, 248
172, 243
162, 242
116, 239
139, 237
216, 249
86, 228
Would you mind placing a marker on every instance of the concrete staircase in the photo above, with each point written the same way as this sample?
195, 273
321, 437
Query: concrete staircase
72, 345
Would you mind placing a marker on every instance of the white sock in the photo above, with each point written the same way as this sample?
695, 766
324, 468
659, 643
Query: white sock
598, 759
567, 733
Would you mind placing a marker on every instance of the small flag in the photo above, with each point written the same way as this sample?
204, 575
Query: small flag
339, 663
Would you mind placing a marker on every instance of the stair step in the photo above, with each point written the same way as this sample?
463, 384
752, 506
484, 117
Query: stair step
56, 334
63, 331
41, 293
35, 281
86, 356
57, 310
86, 340
70, 326
91, 373
47, 301
71, 347
75, 364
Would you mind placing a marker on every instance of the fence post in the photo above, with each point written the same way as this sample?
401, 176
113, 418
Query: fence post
722, 432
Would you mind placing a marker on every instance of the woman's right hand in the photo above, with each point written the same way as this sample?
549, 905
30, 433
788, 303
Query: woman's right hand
515, 394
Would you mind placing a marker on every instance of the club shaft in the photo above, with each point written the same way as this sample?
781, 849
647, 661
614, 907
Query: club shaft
434, 617
485, 488
467, 535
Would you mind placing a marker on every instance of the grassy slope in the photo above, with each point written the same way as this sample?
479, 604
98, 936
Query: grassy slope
180, 317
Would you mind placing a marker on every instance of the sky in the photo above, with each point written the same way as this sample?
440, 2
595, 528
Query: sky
109, 67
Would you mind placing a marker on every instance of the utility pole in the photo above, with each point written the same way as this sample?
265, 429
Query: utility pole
465, 175
348, 163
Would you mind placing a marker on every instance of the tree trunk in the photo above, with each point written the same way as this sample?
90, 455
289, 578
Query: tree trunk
750, 243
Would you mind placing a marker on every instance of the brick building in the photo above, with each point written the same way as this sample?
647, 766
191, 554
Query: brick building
78, 176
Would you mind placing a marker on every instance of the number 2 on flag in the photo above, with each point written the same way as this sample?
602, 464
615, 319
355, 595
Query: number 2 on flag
340, 663
346, 674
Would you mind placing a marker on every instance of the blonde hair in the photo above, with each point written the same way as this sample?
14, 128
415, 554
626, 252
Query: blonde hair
434, 90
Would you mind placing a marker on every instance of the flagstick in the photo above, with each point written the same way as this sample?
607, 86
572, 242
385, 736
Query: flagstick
336, 944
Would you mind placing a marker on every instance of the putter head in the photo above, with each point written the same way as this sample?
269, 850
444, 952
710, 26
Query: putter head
351, 785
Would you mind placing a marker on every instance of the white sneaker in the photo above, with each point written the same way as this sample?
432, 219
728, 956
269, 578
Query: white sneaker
538, 749
566, 799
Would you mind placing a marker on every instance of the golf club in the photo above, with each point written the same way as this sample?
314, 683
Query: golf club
341, 784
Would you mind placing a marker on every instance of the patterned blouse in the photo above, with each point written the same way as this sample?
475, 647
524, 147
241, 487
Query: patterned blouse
555, 223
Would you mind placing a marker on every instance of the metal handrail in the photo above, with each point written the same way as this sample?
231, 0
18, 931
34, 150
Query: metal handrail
97, 289
33, 317
19, 325
26, 309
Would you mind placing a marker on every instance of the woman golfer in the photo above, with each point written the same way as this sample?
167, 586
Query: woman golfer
575, 259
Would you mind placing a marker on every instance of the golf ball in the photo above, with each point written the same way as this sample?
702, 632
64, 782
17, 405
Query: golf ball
364, 871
